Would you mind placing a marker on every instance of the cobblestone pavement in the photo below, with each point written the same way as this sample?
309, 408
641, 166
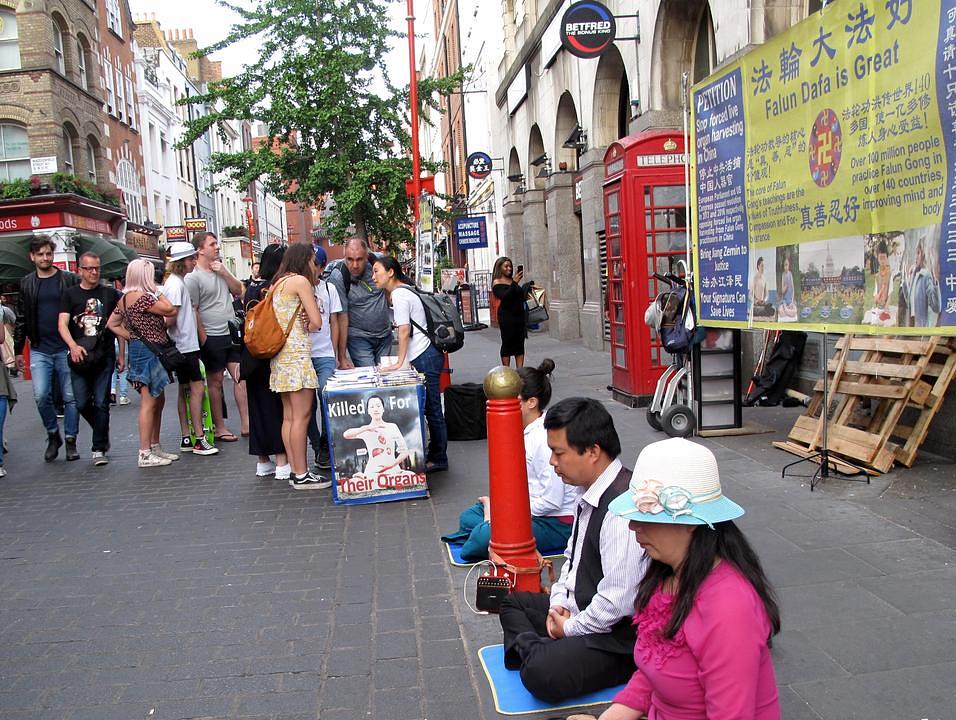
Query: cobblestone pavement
197, 590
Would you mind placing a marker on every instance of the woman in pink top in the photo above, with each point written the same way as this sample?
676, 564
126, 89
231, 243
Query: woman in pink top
705, 610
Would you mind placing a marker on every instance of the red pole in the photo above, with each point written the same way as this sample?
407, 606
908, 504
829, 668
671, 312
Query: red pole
512, 541
413, 99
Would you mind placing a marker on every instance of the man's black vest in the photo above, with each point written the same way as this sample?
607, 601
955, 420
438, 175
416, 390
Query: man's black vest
589, 572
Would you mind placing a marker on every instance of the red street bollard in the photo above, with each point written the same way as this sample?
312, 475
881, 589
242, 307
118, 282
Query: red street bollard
512, 542
444, 379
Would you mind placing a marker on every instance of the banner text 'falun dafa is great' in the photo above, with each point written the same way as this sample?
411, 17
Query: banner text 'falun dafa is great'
824, 175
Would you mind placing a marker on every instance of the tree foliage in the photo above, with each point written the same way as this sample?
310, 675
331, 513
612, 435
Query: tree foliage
334, 121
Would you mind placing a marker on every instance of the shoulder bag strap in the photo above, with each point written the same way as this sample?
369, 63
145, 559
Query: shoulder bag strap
295, 314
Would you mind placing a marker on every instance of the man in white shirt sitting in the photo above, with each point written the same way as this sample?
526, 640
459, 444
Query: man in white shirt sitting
580, 639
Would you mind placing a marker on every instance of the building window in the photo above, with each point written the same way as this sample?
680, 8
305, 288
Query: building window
114, 21
130, 103
91, 162
59, 60
67, 152
9, 44
81, 63
120, 97
14, 152
126, 182
110, 95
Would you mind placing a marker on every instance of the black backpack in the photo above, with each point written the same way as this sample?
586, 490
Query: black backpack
445, 330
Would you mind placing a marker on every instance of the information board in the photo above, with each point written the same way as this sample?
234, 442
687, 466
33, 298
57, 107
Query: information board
823, 175
378, 447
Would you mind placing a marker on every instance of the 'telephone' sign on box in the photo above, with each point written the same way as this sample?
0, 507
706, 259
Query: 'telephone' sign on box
471, 232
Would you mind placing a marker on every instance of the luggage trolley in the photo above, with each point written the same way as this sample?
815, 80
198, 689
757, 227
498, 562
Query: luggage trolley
672, 316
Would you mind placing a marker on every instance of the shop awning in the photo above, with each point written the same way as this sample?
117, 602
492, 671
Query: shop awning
15, 258
114, 256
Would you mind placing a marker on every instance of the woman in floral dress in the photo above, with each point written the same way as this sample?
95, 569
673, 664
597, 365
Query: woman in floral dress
292, 374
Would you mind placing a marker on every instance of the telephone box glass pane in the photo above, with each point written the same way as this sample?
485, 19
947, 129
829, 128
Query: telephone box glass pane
614, 224
616, 269
614, 249
619, 313
669, 195
648, 220
620, 357
616, 291
612, 203
672, 241
619, 334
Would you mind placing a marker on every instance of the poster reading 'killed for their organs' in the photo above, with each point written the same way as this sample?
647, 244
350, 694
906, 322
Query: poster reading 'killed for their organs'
377, 443
824, 175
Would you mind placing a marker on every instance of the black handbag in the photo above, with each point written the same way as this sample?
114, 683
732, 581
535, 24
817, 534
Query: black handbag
96, 355
168, 354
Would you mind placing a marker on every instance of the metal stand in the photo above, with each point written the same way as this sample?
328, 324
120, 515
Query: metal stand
826, 466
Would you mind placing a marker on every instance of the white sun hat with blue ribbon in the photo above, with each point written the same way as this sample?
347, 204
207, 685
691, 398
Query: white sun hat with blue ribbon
676, 481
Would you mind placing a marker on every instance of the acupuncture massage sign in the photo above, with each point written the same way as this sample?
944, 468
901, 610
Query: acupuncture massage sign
824, 175
377, 443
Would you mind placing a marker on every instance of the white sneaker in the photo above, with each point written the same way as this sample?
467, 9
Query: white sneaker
124, 400
99, 458
149, 459
283, 472
265, 469
159, 452
3, 473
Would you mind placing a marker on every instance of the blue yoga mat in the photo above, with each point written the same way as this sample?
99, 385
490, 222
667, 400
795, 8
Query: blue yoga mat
511, 697
454, 554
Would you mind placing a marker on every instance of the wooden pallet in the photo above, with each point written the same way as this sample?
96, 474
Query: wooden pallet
872, 381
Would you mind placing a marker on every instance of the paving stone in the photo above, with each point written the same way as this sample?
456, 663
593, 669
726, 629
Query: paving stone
917, 592
398, 673
389, 646
398, 703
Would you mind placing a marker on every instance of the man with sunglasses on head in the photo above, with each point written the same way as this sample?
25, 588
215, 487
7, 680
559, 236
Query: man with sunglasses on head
38, 313
84, 310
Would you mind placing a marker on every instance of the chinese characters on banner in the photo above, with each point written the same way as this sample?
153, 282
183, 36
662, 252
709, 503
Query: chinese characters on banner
425, 255
824, 175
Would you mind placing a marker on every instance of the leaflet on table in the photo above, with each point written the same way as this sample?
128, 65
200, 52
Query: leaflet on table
824, 175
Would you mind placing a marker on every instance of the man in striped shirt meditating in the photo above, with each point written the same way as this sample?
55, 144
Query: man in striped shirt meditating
580, 638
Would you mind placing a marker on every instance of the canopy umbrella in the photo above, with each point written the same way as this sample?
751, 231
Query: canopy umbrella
112, 260
15, 259
117, 269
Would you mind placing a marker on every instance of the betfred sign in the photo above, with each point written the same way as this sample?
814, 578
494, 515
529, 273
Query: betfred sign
587, 29
175, 232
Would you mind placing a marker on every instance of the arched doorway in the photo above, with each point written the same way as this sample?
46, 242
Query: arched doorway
612, 100
565, 128
536, 158
515, 176
683, 41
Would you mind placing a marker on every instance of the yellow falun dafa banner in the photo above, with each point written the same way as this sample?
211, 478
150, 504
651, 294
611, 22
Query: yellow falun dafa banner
823, 175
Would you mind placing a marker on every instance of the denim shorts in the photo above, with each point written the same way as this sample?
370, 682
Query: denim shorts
145, 370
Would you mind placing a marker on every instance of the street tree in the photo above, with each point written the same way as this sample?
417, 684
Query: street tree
334, 123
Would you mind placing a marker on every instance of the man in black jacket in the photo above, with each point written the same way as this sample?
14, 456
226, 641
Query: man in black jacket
38, 310
580, 638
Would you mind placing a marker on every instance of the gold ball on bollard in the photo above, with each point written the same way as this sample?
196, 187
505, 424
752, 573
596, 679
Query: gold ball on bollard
502, 383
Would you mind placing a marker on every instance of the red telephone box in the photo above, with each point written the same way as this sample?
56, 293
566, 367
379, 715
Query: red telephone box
645, 221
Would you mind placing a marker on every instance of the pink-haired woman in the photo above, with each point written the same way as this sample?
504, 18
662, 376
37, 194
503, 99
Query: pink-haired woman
141, 314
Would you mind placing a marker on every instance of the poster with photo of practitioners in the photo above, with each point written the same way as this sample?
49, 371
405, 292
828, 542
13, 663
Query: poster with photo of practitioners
378, 444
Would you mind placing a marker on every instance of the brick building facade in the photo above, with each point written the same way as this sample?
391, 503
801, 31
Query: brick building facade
124, 142
50, 102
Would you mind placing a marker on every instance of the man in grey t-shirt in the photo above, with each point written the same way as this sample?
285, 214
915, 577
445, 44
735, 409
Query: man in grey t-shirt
365, 328
211, 289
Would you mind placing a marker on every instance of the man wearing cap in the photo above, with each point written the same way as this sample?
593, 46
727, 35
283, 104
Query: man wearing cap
183, 331
580, 638
324, 341
365, 327
212, 289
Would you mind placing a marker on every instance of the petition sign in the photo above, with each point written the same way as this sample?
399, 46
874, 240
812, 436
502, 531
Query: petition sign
824, 175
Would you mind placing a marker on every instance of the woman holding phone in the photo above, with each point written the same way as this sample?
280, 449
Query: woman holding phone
506, 286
